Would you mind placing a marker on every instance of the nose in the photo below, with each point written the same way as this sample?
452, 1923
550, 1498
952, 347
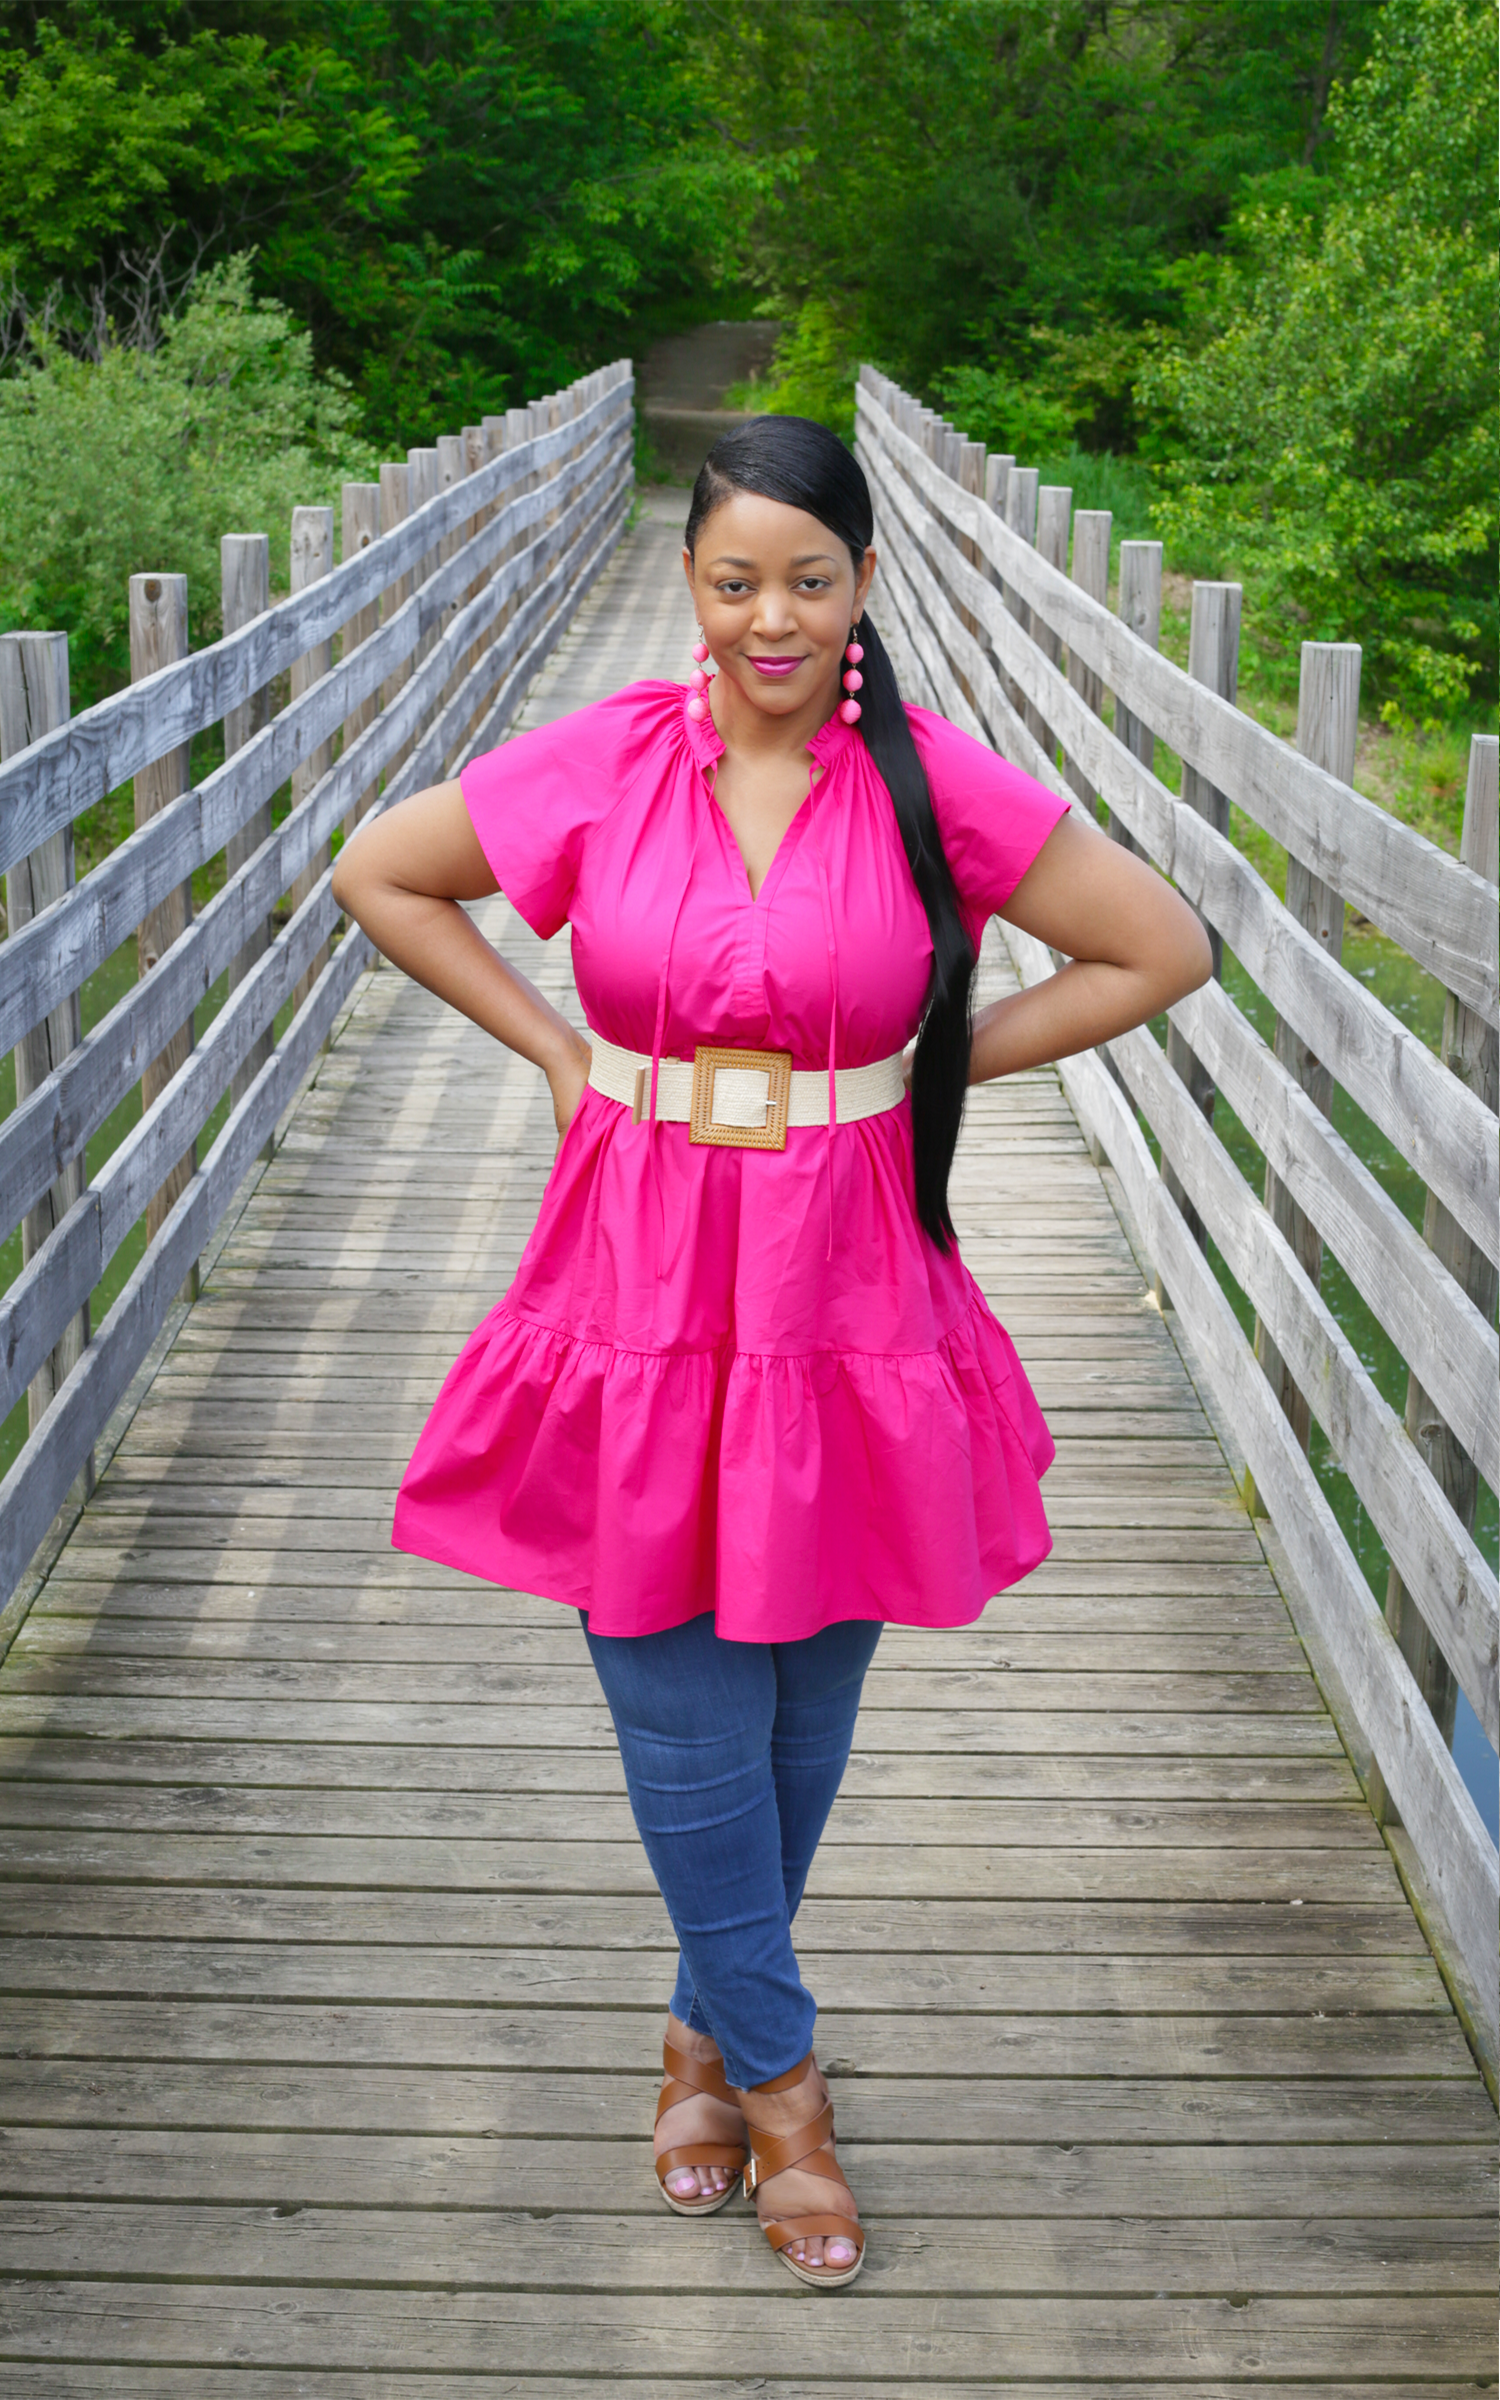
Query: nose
774, 618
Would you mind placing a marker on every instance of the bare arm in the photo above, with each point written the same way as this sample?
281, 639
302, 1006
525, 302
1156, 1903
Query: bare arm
402, 877
1134, 946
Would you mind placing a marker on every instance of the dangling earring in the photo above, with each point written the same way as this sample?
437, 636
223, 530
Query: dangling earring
697, 707
849, 709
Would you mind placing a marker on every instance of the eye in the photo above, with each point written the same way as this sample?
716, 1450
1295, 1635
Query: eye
732, 587
814, 583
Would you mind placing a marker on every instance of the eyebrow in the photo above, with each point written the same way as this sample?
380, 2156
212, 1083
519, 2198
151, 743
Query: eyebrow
809, 558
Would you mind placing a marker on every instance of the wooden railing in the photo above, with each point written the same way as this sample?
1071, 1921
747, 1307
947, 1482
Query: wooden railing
442, 619
994, 631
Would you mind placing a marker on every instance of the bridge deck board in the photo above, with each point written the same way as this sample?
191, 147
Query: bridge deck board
334, 1971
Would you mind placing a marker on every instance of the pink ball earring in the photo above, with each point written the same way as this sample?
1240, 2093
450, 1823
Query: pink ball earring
849, 709
697, 707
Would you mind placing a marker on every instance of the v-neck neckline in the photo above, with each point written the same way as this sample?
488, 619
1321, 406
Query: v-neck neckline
706, 747
779, 856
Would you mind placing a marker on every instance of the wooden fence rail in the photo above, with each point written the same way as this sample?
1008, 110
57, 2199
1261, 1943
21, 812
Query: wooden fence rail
444, 620
995, 632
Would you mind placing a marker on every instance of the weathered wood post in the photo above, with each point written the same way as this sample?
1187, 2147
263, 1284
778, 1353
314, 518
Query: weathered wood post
34, 700
1471, 1049
361, 527
245, 588
518, 431
997, 469
1214, 659
1020, 515
494, 443
158, 637
554, 414
1054, 507
1091, 532
510, 435
1327, 732
452, 467
312, 559
476, 453
1091, 535
395, 507
422, 485
968, 473
1138, 606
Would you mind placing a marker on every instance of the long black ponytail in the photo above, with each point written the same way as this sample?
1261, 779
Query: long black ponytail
799, 462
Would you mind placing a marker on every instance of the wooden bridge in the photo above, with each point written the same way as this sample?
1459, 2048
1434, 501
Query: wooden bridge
334, 1972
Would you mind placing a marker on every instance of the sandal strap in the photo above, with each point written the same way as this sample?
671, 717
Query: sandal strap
699, 2154
781, 2232
773, 2153
699, 2074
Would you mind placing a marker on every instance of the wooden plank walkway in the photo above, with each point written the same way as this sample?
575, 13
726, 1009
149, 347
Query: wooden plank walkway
334, 1973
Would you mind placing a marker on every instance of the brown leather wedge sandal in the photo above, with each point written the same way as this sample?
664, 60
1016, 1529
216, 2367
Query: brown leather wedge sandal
807, 2147
684, 2076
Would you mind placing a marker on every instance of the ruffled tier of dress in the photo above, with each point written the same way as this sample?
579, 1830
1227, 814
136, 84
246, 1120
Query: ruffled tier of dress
785, 1491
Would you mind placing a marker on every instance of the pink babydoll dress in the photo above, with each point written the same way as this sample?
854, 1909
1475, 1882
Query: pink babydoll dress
735, 1379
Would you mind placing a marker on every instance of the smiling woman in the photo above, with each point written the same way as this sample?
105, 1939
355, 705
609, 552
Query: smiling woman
743, 1402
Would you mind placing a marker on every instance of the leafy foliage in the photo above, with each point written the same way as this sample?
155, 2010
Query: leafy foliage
812, 372
141, 460
959, 171
995, 407
1329, 419
464, 203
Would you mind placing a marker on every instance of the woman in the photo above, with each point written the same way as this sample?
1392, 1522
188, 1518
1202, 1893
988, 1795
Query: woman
743, 1404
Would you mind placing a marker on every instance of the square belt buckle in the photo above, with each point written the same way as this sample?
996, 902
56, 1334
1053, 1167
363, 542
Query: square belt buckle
747, 1121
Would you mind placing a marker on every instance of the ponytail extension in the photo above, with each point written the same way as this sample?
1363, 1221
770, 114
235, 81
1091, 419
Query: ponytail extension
940, 1069
799, 462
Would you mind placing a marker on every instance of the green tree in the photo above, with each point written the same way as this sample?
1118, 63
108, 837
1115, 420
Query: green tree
1328, 423
465, 204
141, 459
956, 172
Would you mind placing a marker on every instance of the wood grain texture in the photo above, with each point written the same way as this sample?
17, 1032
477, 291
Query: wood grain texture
1451, 1840
245, 580
34, 700
134, 877
38, 1308
1433, 1549
69, 770
334, 1971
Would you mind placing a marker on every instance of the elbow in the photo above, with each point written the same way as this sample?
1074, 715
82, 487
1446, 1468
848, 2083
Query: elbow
1199, 962
1185, 958
345, 884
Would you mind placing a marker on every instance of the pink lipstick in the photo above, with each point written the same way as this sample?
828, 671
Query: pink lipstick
775, 668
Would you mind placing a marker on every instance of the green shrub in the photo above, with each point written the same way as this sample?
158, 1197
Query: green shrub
139, 461
992, 406
812, 372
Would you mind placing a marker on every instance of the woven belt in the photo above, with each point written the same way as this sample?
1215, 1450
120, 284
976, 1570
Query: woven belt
743, 1099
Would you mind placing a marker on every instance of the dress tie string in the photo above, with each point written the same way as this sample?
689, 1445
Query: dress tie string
659, 1034
825, 895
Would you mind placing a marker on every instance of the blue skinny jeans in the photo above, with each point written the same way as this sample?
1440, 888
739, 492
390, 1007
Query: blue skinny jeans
733, 1756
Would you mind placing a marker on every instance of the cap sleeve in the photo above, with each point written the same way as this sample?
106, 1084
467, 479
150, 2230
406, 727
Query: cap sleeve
535, 800
992, 817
